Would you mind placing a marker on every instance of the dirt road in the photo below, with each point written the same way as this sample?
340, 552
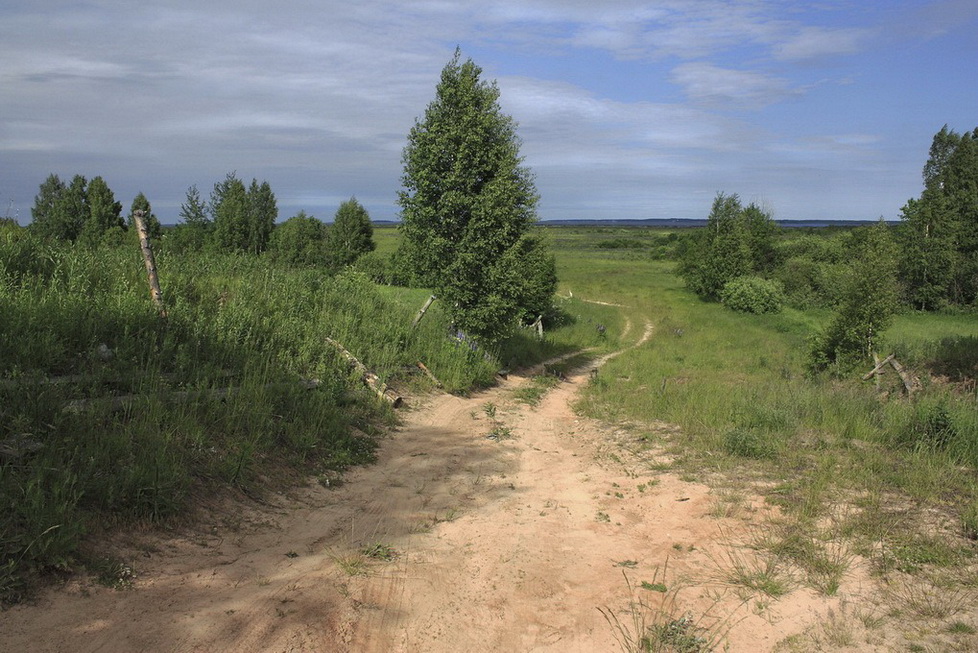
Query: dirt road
539, 538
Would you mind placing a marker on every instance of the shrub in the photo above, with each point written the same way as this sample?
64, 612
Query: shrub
753, 295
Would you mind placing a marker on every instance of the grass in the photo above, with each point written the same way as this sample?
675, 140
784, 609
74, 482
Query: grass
217, 394
657, 623
852, 475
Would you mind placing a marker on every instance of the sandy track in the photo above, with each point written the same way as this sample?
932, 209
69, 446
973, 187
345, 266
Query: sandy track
497, 545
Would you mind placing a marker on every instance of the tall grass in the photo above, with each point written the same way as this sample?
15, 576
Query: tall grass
738, 387
110, 414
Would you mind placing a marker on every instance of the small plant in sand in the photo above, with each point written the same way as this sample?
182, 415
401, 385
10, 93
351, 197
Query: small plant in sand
655, 623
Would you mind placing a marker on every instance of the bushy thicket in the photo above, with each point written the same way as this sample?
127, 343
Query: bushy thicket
753, 295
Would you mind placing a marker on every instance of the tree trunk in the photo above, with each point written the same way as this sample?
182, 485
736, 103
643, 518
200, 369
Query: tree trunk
150, 261
424, 309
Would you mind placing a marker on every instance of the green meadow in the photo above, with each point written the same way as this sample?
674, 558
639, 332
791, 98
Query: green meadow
112, 415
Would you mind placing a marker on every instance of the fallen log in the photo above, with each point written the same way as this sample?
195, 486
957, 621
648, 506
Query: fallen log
879, 366
368, 377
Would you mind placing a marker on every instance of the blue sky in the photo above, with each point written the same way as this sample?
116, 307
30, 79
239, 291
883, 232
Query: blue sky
821, 110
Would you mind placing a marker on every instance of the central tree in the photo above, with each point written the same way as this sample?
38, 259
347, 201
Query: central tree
467, 207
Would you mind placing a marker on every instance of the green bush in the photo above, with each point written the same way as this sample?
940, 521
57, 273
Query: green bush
753, 295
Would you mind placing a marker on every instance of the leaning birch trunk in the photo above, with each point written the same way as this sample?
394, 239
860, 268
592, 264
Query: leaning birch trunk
876, 373
909, 382
424, 309
371, 379
879, 366
150, 261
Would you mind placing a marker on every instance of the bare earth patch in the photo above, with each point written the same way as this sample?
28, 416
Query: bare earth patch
547, 536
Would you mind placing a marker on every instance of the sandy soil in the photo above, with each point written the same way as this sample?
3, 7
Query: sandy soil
539, 540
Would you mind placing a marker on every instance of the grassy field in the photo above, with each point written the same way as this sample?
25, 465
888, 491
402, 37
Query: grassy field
889, 479
110, 415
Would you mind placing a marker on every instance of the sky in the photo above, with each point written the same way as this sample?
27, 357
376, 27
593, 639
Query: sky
818, 110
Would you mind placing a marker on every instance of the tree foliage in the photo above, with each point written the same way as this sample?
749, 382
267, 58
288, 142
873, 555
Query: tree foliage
43, 216
60, 211
939, 231
104, 213
468, 204
736, 242
242, 217
193, 233
869, 301
351, 234
153, 226
299, 241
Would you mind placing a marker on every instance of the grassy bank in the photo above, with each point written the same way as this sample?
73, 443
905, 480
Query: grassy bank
111, 415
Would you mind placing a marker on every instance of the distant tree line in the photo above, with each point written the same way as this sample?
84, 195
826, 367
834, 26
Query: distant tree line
84, 211
235, 219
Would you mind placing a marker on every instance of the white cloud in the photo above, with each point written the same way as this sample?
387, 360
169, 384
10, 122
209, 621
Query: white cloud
815, 42
718, 87
318, 95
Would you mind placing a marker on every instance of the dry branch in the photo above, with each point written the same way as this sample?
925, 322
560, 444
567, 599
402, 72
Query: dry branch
427, 372
879, 366
910, 383
371, 379
424, 309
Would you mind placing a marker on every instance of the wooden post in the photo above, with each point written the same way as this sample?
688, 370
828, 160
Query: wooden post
150, 261
539, 326
424, 309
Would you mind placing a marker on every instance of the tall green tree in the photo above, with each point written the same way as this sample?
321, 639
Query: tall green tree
929, 258
351, 234
869, 301
193, 232
69, 211
939, 231
941, 148
300, 241
960, 187
262, 213
42, 213
104, 213
468, 204
230, 210
243, 217
736, 242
